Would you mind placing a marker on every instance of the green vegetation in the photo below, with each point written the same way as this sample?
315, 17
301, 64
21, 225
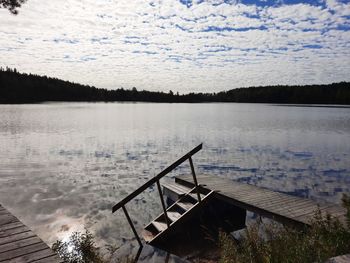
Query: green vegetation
80, 248
16, 87
325, 238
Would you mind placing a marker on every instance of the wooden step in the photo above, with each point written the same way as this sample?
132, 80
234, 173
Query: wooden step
147, 235
186, 205
195, 196
173, 215
160, 226
176, 188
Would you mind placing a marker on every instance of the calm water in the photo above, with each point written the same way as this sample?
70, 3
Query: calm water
64, 165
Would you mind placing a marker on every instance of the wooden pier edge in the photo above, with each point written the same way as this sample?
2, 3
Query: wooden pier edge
286, 209
19, 244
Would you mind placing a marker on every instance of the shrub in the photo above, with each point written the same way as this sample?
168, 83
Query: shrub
80, 248
326, 237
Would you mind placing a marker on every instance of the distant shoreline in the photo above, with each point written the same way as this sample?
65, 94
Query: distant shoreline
21, 88
335, 106
313, 106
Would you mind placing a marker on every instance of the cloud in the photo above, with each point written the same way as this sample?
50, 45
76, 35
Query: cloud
185, 46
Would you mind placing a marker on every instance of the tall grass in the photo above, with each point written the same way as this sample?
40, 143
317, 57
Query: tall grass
326, 237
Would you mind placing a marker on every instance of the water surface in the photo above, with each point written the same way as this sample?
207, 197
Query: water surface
64, 165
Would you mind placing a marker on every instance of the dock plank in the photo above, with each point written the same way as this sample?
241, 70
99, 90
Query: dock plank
15, 253
13, 231
32, 257
10, 226
276, 205
7, 219
19, 244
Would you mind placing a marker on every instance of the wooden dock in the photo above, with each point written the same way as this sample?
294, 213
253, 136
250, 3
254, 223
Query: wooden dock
18, 244
194, 200
280, 207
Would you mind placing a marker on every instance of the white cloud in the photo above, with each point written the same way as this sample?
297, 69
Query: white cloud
162, 45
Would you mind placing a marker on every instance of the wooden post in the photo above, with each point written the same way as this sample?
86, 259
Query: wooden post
132, 226
163, 204
195, 179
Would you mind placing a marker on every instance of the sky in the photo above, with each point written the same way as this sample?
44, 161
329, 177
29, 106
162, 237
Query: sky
179, 45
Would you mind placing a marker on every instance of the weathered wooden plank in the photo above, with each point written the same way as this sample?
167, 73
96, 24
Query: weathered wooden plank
4, 212
20, 236
195, 195
290, 205
30, 249
13, 231
258, 199
7, 219
185, 205
19, 244
160, 226
335, 212
32, 257
179, 189
10, 226
283, 202
49, 259
173, 215
293, 212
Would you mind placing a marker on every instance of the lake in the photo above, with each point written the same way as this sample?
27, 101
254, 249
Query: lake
64, 165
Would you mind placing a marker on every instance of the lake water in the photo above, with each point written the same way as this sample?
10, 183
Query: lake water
64, 165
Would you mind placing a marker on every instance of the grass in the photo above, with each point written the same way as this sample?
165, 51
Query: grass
269, 243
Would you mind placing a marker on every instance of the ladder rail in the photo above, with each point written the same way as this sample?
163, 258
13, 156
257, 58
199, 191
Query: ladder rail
155, 180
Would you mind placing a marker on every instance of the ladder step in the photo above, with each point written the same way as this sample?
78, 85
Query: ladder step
173, 215
177, 188
160, 226
185, 204
195, 196
180, 210
148, 235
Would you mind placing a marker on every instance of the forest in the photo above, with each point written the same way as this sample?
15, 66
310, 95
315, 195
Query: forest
17, 88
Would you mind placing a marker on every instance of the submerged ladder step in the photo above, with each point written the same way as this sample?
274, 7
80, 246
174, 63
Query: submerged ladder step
160, 226
173, 215
185, 204
195, 196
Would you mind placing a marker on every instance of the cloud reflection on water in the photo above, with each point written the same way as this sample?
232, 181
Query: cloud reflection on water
63, 166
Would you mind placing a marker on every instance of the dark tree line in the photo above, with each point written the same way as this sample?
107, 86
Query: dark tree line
17, 87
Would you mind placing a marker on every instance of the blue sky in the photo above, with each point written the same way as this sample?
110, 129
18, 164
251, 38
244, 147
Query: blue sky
185, 46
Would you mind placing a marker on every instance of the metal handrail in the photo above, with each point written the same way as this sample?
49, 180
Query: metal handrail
155, 179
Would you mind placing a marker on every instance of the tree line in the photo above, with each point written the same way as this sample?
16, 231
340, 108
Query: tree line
18, 87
